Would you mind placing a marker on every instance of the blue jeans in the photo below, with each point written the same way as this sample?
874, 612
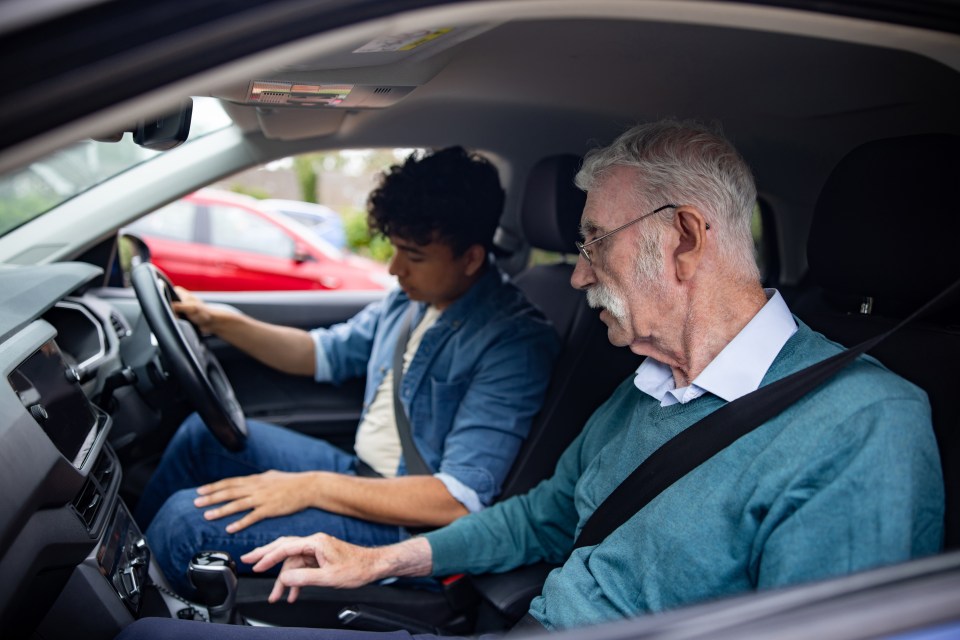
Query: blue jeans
176, 530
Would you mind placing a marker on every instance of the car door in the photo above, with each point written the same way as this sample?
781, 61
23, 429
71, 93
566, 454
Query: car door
321, 410
249, 252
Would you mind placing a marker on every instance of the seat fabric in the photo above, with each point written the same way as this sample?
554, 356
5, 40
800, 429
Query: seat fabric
882, 243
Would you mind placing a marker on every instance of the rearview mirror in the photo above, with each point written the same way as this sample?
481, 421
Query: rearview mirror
161, 133
167, 131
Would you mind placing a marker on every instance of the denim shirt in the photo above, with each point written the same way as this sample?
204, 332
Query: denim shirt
474, 384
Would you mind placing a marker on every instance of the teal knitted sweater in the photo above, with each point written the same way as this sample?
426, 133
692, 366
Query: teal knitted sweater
846, 479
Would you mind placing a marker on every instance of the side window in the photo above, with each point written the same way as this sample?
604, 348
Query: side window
236, 228
172, 222
313, 204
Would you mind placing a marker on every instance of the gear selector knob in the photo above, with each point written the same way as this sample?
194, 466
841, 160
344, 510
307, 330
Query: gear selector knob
214, 574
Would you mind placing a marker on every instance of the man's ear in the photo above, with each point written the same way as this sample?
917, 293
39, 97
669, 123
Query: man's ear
692, 228
475, 257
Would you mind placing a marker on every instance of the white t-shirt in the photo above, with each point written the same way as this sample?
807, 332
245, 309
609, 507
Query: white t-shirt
378, 441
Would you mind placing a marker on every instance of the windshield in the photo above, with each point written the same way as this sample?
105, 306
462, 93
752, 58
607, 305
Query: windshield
46, 183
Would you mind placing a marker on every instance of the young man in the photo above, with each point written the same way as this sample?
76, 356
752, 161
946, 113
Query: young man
475, 368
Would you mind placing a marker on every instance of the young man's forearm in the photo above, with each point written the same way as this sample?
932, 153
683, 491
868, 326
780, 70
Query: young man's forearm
404, 501
286, 349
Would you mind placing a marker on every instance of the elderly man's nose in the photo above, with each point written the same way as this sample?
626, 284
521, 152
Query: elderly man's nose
583, 275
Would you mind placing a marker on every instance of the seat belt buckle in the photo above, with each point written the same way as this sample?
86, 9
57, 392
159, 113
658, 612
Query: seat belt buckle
459, 592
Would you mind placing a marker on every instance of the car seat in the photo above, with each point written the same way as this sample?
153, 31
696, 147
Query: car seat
883, 242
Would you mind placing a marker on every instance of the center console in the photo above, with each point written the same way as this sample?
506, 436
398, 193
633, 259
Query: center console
118, 581
124, 559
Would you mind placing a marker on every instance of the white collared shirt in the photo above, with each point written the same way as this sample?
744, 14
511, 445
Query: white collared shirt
737, 370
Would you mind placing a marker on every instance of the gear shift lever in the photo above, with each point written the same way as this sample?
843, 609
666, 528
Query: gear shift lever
214, 574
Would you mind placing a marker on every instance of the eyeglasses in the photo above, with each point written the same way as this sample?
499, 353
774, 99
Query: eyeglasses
582, 246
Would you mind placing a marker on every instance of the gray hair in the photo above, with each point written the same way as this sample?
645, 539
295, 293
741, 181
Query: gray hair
687, 163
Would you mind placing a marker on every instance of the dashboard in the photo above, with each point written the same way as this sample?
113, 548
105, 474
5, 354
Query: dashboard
72, 559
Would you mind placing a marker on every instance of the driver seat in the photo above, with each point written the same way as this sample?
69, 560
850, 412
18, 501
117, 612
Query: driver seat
587, 370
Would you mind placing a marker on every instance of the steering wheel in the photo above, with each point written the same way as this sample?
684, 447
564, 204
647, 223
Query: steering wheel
189, 361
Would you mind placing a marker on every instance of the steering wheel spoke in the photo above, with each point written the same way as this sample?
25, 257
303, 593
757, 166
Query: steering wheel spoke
189, 361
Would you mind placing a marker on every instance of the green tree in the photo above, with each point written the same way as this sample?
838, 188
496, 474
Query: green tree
361, 241
305, 167
253, 192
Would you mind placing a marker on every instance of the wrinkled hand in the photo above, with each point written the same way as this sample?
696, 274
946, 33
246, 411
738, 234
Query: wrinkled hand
317, 560
266, 495
194, 309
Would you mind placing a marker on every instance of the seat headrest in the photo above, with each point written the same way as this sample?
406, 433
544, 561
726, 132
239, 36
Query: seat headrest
552, 204
886, 224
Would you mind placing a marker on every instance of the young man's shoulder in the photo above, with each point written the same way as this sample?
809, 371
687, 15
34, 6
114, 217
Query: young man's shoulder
502, 306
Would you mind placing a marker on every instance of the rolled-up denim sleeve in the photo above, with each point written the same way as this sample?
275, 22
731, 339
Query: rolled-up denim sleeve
343, 350
322, 371
461, 492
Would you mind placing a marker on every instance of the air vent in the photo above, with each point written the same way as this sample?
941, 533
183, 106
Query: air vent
382, 90
90, 501
119, 325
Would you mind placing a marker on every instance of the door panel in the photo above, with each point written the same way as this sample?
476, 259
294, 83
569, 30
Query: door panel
320, 410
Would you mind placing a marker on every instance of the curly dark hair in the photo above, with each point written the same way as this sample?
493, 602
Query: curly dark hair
450, 196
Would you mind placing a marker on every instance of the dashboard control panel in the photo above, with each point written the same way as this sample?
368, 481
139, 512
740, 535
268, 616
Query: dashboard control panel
124, 559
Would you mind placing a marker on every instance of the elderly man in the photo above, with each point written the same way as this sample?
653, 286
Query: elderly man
846, 479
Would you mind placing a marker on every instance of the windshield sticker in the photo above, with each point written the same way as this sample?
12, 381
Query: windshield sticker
403, 41
301, 95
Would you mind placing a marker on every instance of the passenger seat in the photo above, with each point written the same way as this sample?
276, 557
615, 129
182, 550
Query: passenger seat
882, 243
588, 367
586, 372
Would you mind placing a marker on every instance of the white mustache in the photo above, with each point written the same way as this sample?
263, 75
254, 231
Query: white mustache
601, 297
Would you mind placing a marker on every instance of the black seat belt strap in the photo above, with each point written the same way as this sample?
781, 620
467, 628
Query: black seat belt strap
416, 466
698, 443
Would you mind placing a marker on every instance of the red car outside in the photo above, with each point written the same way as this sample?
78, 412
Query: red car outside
220, 241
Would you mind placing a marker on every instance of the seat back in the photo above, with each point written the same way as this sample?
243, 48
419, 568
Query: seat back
588, 367
882, 243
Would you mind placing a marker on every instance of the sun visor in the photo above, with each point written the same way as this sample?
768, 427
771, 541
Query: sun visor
369, 74
295, 124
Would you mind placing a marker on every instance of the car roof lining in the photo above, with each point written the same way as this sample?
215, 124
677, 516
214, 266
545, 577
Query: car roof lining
335, 42
572, 75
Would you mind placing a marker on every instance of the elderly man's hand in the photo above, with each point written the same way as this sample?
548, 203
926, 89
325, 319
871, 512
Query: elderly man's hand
265, 495
317, 560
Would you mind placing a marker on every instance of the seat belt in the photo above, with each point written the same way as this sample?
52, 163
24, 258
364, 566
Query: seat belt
416, 466
716, 431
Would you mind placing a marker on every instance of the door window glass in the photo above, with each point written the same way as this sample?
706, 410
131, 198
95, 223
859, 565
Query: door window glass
173, 222
235, 228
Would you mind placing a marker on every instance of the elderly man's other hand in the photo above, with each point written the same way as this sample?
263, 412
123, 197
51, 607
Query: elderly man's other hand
317, 560
265, 495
